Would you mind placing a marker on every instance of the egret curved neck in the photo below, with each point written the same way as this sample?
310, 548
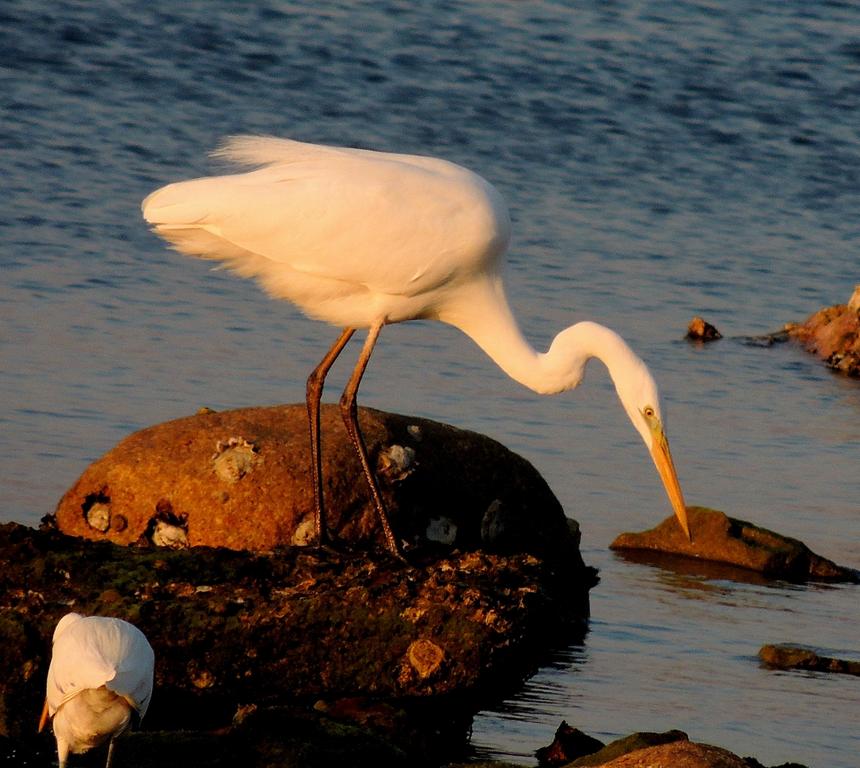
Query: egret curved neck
482, 312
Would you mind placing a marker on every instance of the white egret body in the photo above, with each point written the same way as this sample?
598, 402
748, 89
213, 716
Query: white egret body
101, 672
362, 239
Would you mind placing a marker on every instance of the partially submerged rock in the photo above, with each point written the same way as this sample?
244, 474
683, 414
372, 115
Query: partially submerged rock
568, 744
241, 479
833, 333
232, 628
634, 743
679, 753
722, 539
670, 748
701, 330
797, 657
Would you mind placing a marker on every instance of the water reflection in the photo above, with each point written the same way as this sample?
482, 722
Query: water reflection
682, 574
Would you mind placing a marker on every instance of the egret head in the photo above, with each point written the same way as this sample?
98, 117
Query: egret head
640, 397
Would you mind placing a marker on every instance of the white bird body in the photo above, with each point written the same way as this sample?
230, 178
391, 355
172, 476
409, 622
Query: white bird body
363, 239
101, 672
89, 719
348, 235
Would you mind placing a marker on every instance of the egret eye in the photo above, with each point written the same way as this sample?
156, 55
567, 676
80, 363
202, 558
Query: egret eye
648, 412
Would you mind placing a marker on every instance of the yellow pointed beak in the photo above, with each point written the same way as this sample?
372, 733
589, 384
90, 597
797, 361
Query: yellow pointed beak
663, 461
44, 718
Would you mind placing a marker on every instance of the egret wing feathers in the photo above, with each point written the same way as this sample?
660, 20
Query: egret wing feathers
315, 224
100, 651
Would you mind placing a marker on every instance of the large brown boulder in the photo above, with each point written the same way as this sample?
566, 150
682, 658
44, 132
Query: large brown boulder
718, 538
241, 479
833, 333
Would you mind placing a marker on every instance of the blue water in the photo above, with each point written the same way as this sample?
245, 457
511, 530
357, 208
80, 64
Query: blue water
660, 159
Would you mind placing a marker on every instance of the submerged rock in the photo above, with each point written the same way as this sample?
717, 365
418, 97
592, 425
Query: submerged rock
634, 744
833, 333
719, 538
796, 657
241, 479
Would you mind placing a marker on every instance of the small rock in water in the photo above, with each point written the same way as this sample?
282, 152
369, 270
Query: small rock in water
569, 744
699, 330
795, 657
718, 538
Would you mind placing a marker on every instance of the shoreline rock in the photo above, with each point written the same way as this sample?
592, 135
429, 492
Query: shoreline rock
723, 540
833, 334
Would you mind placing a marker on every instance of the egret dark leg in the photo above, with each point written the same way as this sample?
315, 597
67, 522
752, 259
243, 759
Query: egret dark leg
349, 411
313, 393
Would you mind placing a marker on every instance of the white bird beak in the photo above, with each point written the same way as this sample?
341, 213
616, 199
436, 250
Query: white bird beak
663, 461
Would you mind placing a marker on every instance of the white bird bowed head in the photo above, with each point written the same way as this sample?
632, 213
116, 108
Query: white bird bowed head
362, 239
101, 675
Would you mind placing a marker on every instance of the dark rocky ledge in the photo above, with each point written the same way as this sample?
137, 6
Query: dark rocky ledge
432, 640
727, 541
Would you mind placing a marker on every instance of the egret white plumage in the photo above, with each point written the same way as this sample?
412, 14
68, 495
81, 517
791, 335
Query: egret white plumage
362, 239
101, 674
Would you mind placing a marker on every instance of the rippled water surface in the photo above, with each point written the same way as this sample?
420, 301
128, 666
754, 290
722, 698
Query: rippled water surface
660, 160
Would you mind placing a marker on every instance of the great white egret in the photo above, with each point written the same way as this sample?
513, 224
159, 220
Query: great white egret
100, 674
362, 239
